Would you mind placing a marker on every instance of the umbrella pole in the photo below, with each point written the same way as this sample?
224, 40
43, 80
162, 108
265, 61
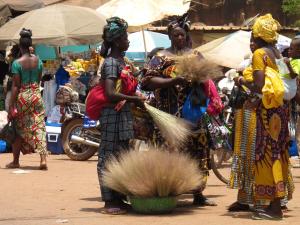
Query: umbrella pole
144, 39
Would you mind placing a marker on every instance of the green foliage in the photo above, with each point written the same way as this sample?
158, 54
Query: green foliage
291, 7
297, 24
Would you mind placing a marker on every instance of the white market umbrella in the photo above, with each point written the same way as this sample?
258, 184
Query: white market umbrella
139, 13
135, 12
18, 5
153, 40
229, 51
57, 25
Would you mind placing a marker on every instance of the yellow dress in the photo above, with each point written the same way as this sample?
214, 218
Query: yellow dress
272, 175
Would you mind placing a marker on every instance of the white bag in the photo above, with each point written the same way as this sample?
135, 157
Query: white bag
290, 85
49, 95
3, 119
54, 115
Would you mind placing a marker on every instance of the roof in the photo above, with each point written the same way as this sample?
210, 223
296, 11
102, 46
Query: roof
220, 28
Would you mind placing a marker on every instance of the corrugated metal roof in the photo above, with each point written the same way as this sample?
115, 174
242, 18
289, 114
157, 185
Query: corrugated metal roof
219, 28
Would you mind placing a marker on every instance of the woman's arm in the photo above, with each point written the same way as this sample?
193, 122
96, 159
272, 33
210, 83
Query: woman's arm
151, 83
258, 66
257, 84
14, 91
293, 74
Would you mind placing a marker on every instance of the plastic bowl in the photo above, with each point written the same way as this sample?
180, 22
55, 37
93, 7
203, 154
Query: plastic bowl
154, 205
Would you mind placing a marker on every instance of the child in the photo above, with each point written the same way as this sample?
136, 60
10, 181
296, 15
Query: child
294, 53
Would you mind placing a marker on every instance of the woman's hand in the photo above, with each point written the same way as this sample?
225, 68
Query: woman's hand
12, 112
238, 81
286, 60
139, 101
180, 81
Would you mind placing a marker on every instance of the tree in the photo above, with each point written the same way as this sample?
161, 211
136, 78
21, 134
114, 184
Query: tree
291, 7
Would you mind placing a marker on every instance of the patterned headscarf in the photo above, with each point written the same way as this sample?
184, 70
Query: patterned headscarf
183, 23
266, 28
115, 28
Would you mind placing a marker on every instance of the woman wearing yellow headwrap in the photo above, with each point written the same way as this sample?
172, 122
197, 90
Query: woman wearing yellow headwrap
272, 177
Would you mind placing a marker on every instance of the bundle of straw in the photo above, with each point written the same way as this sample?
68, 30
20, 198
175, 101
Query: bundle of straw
153, 173
174, 129
198, 70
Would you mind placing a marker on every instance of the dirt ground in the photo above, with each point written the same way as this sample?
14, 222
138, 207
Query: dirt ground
69, 194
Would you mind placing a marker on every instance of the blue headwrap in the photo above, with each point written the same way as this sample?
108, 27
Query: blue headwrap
115, 28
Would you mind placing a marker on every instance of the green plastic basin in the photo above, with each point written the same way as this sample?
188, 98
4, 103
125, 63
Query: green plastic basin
155, 205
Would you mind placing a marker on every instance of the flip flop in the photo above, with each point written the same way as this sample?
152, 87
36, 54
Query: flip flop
265, 216
203, 201
114, 211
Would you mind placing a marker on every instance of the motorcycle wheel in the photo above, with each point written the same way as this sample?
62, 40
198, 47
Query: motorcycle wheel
221, 164
77, 152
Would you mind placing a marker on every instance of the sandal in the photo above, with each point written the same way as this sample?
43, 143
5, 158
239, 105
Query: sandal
263, 215
203, 201
12, 165
238, 207
114, 211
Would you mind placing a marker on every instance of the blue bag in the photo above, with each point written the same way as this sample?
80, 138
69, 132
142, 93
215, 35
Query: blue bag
193, 113
293, 150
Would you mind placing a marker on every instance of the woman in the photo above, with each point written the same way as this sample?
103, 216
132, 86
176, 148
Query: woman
116, 125
171, 91
272, 177
26, 105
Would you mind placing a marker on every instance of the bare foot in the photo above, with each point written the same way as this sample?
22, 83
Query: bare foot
238, 207
13, 165
43, 166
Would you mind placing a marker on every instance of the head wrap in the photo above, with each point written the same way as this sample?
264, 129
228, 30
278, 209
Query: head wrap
266, 28
115, 28
183, 23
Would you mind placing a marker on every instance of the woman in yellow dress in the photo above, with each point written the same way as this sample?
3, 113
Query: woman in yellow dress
272, 177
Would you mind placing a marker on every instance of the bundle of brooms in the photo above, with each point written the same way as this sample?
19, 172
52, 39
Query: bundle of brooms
174, 129
197, 70
152, 179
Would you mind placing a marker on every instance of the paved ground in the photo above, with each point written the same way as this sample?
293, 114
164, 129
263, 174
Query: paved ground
69, 193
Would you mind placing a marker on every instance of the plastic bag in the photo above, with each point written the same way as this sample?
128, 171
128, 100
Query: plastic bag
3, 119
9, 132
193, 113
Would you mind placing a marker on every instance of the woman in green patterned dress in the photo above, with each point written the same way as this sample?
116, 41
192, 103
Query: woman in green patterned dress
26, 106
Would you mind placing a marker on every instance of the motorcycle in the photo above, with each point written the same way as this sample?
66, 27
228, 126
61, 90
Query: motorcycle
80, 137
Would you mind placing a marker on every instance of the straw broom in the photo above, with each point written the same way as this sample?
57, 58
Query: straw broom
197, 70
153, 173
174, 129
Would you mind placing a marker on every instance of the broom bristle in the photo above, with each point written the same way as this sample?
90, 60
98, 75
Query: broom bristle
153, 173
196, 70
175, 130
